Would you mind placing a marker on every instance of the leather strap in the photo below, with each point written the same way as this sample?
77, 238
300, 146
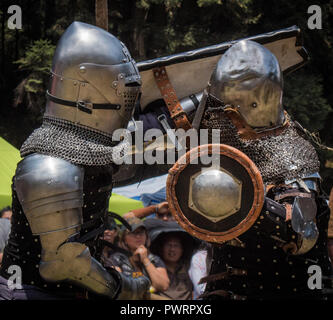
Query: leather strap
226, 294
223, 275
292, 194
178, 115
83, 105
246, 132
289, 209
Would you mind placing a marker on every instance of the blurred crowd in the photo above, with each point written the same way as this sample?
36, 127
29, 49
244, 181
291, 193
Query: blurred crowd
160, 249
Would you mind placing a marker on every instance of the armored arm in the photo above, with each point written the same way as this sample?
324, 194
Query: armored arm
293, 208
50, 191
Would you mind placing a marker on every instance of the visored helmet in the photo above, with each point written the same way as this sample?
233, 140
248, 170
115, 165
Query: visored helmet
248, 77
94, 80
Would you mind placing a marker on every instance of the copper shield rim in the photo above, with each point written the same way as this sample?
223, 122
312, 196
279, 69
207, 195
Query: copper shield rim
245, 224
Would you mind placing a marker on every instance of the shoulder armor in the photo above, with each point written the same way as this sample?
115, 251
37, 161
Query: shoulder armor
44, 183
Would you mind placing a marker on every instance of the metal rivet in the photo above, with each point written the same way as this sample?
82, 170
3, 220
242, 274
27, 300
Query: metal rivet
82, 69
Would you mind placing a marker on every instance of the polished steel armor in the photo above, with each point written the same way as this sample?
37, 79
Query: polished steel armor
92, 68
50, 191
51, 194
44, 183
215, 193
248, 77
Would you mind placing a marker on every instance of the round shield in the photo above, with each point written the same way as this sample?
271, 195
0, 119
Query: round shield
215, 192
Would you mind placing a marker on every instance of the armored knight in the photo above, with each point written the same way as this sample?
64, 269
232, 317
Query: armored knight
62, 186
265, 251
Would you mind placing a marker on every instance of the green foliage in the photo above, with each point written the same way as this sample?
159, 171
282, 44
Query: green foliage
38, 57
304, 100
205, 3
36, 63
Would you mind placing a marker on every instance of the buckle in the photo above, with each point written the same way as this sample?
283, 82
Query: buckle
85, 106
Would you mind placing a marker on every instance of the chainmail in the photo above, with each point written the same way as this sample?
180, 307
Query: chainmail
286, 156
75, 143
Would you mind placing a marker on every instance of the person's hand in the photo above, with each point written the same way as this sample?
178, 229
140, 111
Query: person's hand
129, 214
162, 208
110, 235
163, 212
143, 253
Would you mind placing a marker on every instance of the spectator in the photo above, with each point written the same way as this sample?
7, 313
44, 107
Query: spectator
6, 213
175, 247
198, 269
109, 236
4, 234
139, 260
